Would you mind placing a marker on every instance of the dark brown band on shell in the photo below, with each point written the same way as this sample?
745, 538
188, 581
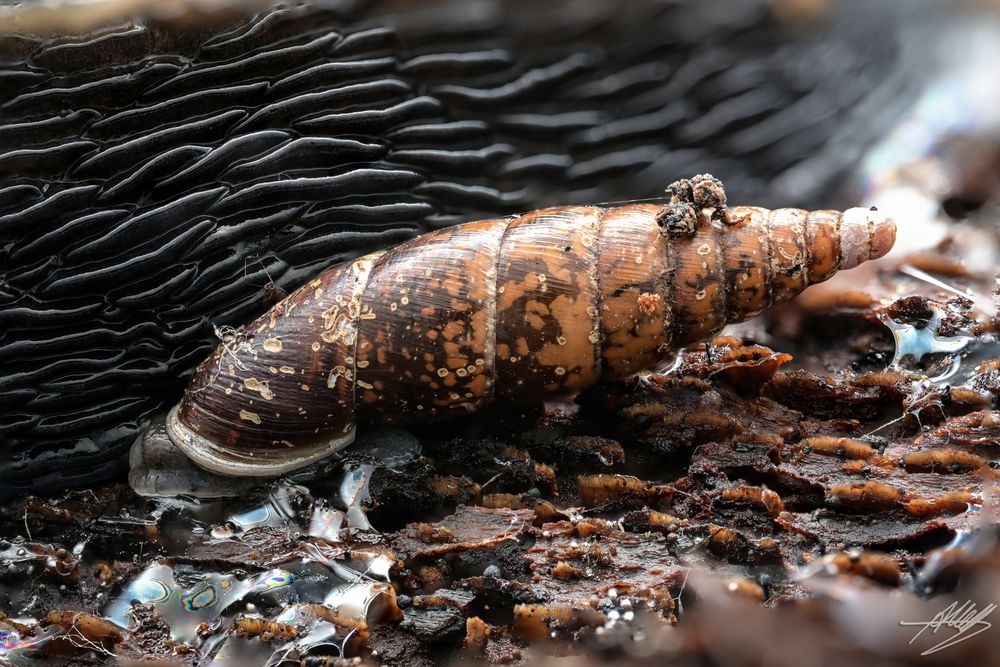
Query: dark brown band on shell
699, 295
746, 256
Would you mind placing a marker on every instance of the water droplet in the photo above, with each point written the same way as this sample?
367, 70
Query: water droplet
915, 342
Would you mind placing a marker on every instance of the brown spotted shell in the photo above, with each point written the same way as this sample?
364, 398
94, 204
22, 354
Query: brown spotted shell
509, 309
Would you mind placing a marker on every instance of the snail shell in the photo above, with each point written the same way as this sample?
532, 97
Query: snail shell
510, 309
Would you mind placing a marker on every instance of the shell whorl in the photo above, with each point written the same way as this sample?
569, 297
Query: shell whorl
509, 309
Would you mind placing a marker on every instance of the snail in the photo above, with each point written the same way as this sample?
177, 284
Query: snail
162, 162
518, 308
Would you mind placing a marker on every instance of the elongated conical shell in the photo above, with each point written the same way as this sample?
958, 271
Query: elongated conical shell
512, 309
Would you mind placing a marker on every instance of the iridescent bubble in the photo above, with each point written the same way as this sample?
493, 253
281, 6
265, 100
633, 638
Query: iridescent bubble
156, 584
272, 579
9, 640
186, 607
17, 649
202, 598
326, 522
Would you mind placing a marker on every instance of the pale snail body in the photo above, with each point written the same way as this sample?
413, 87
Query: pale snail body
509, 309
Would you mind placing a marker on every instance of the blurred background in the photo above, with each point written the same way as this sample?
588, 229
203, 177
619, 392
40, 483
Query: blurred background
158, 165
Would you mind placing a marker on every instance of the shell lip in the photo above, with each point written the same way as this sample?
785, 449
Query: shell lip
222, 460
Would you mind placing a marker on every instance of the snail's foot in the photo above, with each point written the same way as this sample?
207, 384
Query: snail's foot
158, 468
